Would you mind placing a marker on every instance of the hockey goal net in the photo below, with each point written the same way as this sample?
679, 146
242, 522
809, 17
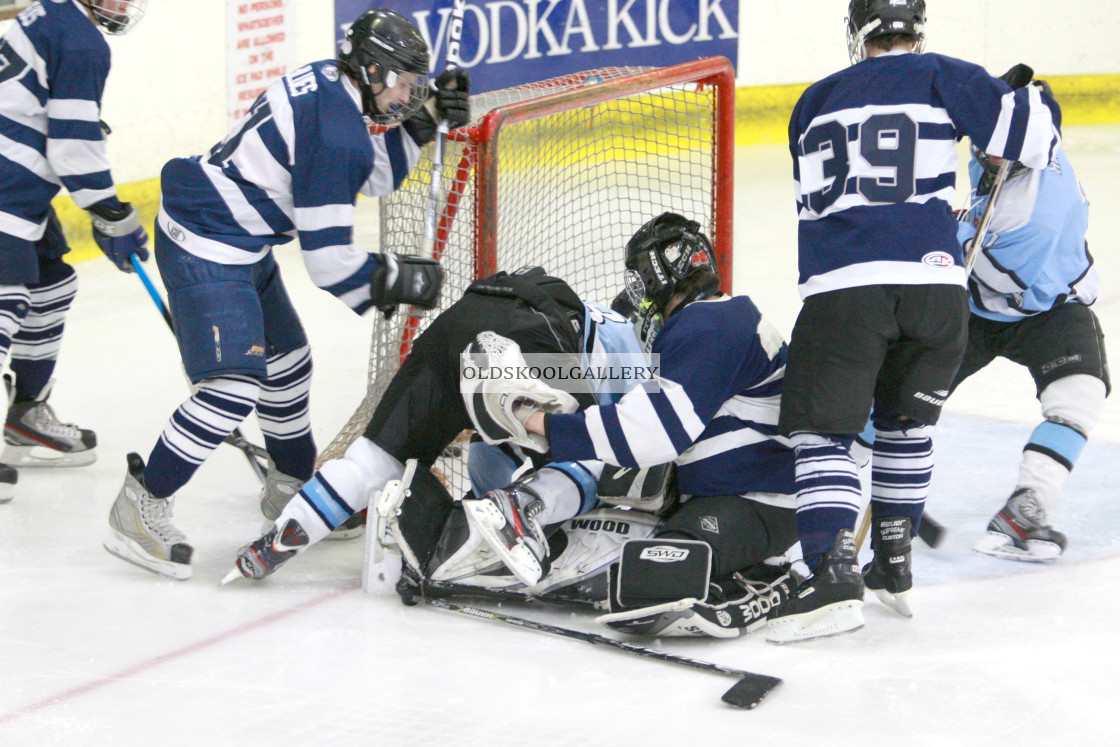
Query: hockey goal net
560, 173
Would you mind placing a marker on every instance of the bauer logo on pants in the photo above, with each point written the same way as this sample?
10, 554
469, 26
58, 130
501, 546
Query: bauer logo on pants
664, 554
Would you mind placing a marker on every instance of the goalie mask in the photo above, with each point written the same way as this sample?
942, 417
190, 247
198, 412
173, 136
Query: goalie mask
116, 17
868, 19
397, 85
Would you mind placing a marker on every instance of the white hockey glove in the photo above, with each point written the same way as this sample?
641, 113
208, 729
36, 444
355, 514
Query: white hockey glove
499, 407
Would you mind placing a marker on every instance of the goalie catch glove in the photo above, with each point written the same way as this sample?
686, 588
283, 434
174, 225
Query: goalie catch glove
118, 233
402, 278
499, 407
449, 100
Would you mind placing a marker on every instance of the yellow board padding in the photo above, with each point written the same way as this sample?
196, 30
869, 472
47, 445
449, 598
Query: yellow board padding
762, 112
761, 116
144, 196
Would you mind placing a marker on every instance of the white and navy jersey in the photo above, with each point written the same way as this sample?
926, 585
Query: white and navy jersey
1034, 255
875, 162
712, 409
294, 166
53, 67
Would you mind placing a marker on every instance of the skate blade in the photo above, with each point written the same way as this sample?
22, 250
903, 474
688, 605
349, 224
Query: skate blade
231, 576
485, 517
127, 551
897, 602
828, 621
43, 456
999, 545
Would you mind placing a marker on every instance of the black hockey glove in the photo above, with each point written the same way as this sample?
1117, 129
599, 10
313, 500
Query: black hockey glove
449, 99
1018, 76
402, 278
119, 234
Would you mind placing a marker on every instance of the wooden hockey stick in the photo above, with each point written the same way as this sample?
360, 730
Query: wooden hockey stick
747, 693
252, 452
454, 36
986, 216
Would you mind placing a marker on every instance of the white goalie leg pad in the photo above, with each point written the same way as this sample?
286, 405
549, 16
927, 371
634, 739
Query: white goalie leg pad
499, 407
594, 541
385, 547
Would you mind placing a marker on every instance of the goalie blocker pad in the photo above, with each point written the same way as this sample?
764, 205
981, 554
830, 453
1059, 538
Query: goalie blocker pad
651, 594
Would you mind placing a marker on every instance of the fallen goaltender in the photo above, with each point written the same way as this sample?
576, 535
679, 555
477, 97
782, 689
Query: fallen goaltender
609, 560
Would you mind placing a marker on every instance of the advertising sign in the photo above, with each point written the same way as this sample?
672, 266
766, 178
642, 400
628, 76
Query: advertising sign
509, 42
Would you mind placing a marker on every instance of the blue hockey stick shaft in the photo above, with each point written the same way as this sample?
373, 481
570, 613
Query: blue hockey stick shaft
251, 451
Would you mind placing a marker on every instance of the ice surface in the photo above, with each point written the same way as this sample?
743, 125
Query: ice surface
97, 652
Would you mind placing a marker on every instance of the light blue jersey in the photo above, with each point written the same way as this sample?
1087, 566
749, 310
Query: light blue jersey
1034, 256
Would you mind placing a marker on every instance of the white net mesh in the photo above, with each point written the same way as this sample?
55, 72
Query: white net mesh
556, 181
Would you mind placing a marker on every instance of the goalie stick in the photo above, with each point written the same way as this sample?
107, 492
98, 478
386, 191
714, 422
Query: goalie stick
747, 693
251, 451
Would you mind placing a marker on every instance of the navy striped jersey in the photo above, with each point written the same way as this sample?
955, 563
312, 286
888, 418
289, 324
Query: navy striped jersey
875, 163
53, 67
712, 409
1034, 256
293, 167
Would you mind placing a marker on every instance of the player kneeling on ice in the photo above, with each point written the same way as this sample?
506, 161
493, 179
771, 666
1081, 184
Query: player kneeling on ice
712, 409
498, 321
1030, 291
293, 167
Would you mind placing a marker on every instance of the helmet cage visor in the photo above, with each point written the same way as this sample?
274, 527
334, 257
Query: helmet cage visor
117, 22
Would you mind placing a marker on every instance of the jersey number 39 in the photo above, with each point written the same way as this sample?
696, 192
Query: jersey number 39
883, 141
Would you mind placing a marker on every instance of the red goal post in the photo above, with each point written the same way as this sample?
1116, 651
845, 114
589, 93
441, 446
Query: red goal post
560, 173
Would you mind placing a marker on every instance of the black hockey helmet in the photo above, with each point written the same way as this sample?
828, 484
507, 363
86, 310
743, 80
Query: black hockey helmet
991, 166
868, 19
671, 253
387, 40
118, 17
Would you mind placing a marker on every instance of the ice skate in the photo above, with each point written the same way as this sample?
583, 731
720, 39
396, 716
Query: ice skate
827, 603
888, 574
262, 557
276, 493
506, 519
1020, 531
8, 479
35, 437
141, 531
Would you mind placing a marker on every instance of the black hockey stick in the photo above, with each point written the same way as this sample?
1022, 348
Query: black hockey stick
522, 596
747, 693
251, 451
